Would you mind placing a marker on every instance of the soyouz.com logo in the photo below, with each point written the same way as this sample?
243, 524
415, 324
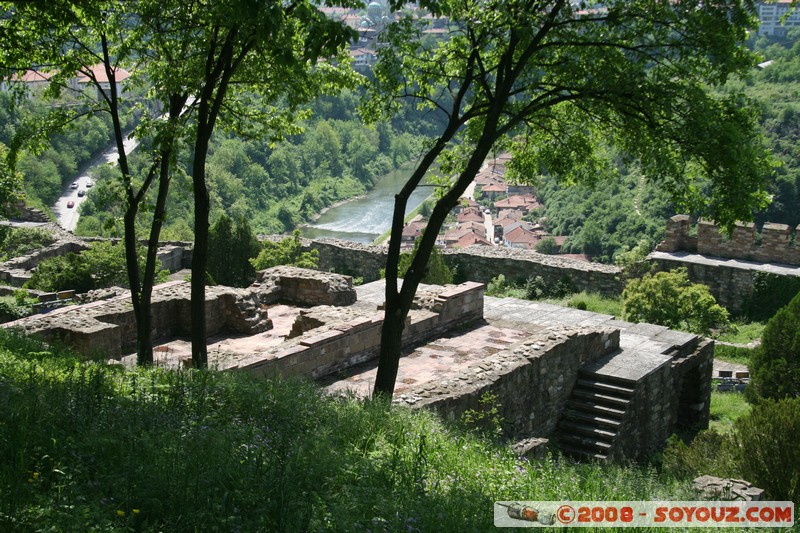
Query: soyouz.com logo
643, 514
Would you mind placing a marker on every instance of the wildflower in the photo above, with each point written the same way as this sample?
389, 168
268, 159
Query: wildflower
135, 511
120, 512
36, 475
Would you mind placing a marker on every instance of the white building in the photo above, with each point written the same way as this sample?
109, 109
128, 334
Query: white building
771, 17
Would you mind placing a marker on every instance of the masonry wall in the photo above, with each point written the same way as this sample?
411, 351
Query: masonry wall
476, 263
321, 353
775, 244
531, 381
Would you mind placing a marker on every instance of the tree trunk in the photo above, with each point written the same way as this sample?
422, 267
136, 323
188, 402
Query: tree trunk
398, 304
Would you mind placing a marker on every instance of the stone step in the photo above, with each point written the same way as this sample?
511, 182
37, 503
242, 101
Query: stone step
597, 409
604, 386
568, 427
622, 383
598, 445
582, 453
591, 419
600, 397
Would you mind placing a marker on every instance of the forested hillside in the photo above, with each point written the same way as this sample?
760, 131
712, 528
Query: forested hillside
623, 210
279, 185
48, 172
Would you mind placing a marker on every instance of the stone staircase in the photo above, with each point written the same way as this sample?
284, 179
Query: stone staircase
593, 415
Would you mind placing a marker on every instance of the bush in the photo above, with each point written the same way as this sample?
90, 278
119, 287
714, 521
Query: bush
710, 452
670, 299
436, 271
286, 252
230, 249
769, 448
775, 365
21, 241
770, 293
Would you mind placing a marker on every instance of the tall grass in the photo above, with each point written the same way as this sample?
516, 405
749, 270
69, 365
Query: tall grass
726, 408
89, 447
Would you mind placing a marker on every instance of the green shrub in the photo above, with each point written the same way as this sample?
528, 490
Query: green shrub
230, 249
287, 251
769, 444
436, 271
670, 299
20, 241
733, 354
775, 365
710, 452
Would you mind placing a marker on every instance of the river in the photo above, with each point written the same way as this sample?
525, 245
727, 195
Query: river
366, 218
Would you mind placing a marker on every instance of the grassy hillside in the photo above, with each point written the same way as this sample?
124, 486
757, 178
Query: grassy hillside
96, 447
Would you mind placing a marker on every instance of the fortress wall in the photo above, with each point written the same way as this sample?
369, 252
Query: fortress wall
476, 263
775, 244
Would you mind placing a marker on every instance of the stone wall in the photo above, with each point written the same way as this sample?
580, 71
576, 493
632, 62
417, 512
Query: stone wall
531, 380
17, 271
109, 326
775, 244
20, 211
476, 263
324, 351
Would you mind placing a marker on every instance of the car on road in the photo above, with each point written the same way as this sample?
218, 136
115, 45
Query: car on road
89, 184
81, 193
70, 204
74, 185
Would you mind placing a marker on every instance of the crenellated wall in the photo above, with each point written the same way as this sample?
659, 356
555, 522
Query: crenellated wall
775, 244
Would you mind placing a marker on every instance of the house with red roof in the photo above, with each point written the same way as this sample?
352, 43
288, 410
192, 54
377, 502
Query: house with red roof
519, 202
97, 74
521, 237
469, 214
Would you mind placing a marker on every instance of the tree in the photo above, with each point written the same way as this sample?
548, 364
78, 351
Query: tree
246, 57
287, 251
554, 84
769, 450
230, 249
437, 272
96, 41
548, 246
231, 61
670, 299
775, 365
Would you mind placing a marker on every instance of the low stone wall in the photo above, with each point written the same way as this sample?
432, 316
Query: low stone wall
531, 380
20, 211
324, 351
775, 245
475, 263
109, 326
17, 271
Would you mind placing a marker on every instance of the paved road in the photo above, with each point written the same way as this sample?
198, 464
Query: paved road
68, 216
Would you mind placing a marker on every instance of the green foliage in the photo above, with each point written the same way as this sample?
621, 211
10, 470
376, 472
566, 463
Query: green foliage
486, 419
534, 288
89, 447
744, 332
17, 306
769, 448
230, 249
733, 354
770, 293
102, 265
710, 452
775, 365
591, 301
670, 299
287, 251
19, 241
726, 409
547, 246
436, 271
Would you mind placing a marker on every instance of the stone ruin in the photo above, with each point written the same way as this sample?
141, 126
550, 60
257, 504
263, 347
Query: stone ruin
596, 386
